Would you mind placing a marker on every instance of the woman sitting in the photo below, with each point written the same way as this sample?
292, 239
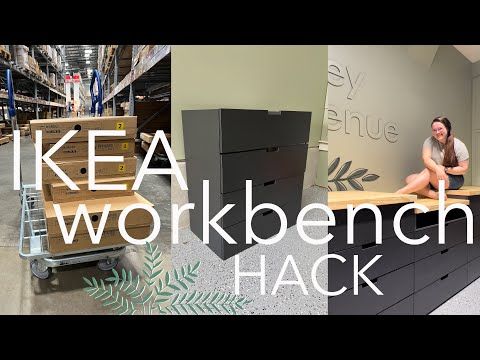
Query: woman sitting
445, 158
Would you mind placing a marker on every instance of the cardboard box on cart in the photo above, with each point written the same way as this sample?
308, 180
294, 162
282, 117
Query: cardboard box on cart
55, 129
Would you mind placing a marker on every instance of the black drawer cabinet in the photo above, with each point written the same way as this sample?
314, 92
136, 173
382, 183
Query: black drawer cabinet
242, 130
404, 307
474, 270
392, 273
228, 147
432, 296
261, 166
415, 279
395, 286
476, 225
455, 233
265, 225
474, 204
473, 250
278, 192
364, 226
435, 266
395, 254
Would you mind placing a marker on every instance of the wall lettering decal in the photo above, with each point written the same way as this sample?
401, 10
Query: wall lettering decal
352, 121
337, 74
355, 122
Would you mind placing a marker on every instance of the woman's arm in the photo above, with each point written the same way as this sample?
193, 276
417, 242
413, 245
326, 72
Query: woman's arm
461, 169
431, 165
427, 159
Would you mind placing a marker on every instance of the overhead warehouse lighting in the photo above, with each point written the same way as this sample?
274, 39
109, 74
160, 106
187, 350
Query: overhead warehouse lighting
81, 57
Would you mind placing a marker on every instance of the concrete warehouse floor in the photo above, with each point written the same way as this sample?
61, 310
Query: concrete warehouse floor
62, 293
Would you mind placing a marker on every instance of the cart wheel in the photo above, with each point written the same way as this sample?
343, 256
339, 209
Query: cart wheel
107, 264
40, 271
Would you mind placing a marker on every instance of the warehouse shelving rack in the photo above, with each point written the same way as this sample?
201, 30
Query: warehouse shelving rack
128, 78
32, 91
150, 79
33, 237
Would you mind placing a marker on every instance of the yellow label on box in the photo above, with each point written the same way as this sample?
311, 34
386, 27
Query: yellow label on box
121, 168
120, 126
124, 146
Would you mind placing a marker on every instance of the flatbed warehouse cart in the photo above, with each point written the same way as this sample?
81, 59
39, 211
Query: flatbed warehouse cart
33, 237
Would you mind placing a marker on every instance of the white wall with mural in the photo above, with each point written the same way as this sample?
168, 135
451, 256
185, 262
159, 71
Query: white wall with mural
381, 101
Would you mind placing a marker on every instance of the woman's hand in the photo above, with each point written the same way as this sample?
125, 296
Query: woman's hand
441, 174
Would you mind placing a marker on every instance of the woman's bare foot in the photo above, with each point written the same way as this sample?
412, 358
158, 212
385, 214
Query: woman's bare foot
434, 194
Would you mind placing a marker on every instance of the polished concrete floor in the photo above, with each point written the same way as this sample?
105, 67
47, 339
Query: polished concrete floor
219, 275
62, 293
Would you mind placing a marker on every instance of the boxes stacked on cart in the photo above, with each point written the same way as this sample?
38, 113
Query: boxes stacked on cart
72, 159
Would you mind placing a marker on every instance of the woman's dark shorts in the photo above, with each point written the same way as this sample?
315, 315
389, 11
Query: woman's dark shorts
455, 181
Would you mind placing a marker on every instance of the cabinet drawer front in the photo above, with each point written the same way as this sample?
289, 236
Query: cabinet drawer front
473, 270
395, 286
474, 204
364, 226
395, 254
473, 250
278, 192
264, 226
429, 298
455, 233
262, 166
476, 225
404, 307
435, 266
242, 130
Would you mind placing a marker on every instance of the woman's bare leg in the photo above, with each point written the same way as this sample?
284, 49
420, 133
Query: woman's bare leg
420, 184
434, 182
417, 183
424, 192
410, 178
427, 192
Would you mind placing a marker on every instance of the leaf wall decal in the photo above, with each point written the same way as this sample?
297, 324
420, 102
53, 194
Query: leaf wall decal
343, 169
357, 173
370, 177
341, 183
333, 165
354, 184
340, 186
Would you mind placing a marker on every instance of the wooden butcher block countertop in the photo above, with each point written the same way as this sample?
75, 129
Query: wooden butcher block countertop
432, 204
338, 200
465, 191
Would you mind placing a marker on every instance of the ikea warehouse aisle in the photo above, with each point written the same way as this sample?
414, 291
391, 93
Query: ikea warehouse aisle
55, 89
